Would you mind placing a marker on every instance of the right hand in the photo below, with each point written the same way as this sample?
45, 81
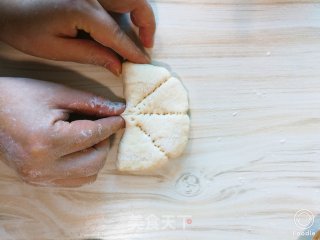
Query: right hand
49, 29
38, 141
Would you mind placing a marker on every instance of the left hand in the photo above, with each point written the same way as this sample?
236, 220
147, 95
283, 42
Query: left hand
49, 29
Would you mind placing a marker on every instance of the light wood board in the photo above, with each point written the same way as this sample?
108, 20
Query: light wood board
251, 169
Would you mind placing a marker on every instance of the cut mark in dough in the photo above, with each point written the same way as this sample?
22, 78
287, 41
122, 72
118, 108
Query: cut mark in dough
157, 121
152, 140
153, 90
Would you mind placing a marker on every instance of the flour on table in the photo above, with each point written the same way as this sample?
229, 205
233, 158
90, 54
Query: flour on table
157, 123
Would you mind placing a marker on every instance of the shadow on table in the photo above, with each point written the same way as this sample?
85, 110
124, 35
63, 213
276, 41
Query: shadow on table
52, 73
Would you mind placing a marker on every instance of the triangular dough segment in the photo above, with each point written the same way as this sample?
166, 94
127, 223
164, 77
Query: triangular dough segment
170, 97
156, 116
137, 151
170, 132
140, 80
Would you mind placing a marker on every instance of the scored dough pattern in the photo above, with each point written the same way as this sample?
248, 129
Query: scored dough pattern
160, 115
153, 140
154, 89
140, 124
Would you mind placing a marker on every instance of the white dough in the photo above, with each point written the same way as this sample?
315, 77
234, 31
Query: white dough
157, 123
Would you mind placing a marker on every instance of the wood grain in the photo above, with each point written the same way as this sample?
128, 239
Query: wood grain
252, 163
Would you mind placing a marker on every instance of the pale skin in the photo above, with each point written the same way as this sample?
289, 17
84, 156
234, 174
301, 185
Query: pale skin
36, 138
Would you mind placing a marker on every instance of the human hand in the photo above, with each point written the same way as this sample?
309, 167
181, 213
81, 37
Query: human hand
141, 15
49, 29
38, 141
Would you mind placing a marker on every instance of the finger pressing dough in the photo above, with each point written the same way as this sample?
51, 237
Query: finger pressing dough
157, 123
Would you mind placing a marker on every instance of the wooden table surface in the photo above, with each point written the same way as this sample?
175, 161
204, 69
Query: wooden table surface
251, 168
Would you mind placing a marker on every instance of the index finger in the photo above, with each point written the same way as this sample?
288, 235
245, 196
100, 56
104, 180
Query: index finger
141, 15
104, 29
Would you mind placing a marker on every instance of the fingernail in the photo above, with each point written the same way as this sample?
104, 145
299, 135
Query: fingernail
147, 58
116, 71
148, 42
115, 106
114, 68
119, 105
123, 123
151, 42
